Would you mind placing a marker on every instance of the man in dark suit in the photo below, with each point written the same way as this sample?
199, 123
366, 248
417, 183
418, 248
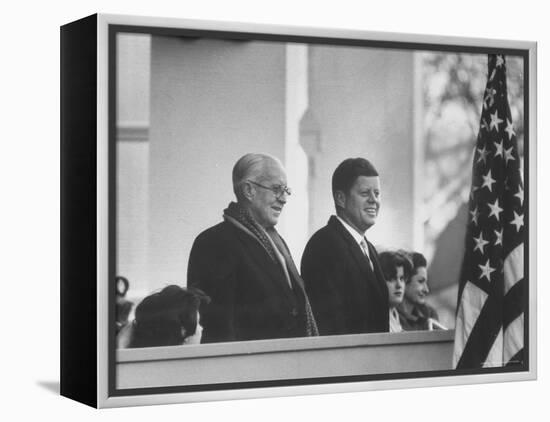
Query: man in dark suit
340, 267
244, 265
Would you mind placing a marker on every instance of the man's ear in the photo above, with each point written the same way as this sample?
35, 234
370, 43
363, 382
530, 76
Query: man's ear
248, 190
340, 199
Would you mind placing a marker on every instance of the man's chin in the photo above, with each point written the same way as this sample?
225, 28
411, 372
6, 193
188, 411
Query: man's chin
275, 218
369, 223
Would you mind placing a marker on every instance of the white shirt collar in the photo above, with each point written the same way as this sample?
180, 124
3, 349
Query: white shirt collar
395, 324
357, 236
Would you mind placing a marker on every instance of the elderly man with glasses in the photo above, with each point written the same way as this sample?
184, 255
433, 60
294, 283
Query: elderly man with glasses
244, 265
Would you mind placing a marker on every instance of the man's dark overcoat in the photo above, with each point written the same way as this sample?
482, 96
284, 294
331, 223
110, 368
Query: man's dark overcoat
346, 295
251, 298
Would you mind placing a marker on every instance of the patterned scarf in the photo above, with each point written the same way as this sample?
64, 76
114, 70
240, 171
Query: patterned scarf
243, 216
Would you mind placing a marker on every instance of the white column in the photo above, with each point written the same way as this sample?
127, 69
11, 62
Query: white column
294, 223
132, 167
418, 155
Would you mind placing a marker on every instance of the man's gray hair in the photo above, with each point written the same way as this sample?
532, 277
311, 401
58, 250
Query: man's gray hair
249, 166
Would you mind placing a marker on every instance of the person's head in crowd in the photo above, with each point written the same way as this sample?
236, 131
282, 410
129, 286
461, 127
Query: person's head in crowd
396, 268
260, 185
122, 285
169, 317
356, 193
417, 288
123, 306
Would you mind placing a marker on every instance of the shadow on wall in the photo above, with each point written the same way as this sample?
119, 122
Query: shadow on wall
51, 386
445, 267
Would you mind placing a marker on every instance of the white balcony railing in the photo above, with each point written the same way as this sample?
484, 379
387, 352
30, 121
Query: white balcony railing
268, 360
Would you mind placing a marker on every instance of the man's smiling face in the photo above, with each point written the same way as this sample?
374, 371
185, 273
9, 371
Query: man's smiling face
361, 204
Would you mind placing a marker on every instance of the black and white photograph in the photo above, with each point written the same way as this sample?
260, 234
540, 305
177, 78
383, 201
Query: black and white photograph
275, 211
295, 210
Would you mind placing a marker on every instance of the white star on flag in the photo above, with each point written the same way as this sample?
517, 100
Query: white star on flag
484, 125
480, 243
488, 181
495, 209
486, 271
475, 215
498, 234
495, 121
482, 155
520, 194
499, 147
508, 156
517, 221
490, 97
509, 129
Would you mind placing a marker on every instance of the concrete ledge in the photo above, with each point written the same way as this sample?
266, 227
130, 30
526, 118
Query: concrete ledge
268, 360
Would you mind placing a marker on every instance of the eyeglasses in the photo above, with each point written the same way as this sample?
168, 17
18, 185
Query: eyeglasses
278, 190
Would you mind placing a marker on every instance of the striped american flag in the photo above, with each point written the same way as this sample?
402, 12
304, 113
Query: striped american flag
490, 314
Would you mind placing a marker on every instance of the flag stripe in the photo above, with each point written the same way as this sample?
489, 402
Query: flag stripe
513, 268
513, 338
473, 299
483, 334
513, 303
494, 357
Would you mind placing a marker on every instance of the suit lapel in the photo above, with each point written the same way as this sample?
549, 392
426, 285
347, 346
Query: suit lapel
291, 267
259, 255
354, 249
359, 256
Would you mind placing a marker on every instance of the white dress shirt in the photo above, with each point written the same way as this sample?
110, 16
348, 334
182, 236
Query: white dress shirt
358, 238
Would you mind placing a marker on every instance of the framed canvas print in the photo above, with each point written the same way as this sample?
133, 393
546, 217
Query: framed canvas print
252, 210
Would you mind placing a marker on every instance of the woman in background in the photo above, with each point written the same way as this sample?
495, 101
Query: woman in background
414, 312
396, 268
169, 317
